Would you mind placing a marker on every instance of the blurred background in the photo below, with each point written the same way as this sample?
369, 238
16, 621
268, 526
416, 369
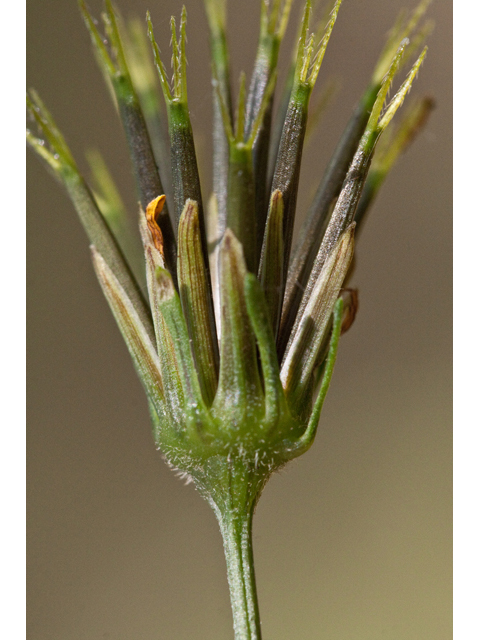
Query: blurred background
353, 540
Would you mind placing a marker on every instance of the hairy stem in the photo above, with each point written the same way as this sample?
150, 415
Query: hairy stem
236, 529
232, 485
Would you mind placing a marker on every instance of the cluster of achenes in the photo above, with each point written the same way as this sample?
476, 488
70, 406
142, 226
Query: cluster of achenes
236, 343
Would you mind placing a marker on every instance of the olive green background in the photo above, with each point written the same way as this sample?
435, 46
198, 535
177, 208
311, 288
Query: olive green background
353, 540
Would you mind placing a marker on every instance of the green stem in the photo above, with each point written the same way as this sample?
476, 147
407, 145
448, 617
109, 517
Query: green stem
232, 485
236, 529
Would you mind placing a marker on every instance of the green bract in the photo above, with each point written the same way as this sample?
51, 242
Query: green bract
237, 341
